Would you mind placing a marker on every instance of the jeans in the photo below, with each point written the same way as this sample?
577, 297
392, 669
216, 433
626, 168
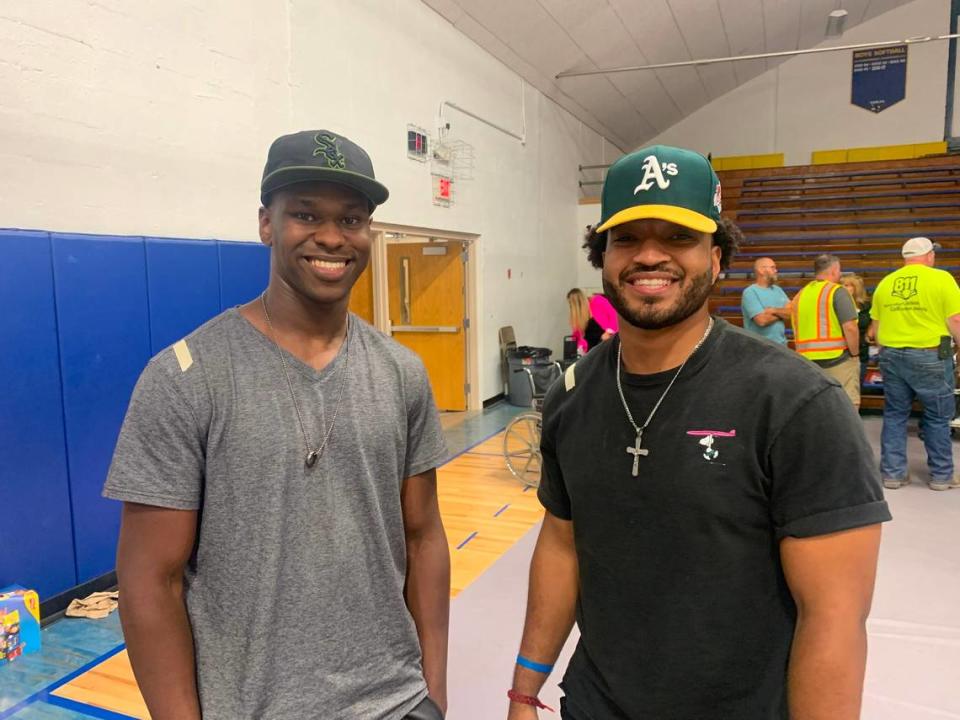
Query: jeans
909, 373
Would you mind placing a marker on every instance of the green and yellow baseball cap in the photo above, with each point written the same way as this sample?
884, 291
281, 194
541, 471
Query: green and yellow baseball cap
662, 183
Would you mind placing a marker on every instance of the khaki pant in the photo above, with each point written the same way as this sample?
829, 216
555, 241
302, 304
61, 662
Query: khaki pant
847, 374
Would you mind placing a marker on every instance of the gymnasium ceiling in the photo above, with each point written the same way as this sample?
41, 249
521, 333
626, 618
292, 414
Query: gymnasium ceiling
540, 38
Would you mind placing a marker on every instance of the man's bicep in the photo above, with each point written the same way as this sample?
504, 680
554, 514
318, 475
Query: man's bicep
154, 541
419, 502
557, 532
834, 572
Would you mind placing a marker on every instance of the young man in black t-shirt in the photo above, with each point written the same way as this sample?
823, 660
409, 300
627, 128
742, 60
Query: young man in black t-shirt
713, 506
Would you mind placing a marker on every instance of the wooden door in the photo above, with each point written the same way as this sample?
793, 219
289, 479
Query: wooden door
361, 296
426, 290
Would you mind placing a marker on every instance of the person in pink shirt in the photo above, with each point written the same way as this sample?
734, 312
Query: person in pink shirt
603, 312
592, 321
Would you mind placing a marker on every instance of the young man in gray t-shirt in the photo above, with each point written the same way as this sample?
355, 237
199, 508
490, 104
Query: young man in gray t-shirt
281, 554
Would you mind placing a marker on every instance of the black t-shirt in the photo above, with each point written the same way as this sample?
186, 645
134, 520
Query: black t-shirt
683, 609
593, 334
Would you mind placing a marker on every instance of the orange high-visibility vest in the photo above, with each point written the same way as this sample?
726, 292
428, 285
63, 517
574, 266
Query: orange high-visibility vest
816, 329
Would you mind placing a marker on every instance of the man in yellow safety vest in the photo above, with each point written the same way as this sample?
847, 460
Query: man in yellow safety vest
825, 326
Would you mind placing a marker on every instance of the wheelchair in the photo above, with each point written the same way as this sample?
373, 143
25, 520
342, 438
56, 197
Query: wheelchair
521, 447
528, 374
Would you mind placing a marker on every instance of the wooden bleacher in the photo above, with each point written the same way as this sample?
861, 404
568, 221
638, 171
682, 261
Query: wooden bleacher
861, 212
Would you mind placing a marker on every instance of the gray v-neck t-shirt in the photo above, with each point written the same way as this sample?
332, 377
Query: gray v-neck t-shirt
295, 587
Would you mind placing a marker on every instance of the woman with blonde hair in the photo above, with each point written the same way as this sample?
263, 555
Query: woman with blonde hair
585, 330
858, 291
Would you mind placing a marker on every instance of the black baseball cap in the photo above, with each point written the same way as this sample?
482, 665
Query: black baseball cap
320, 156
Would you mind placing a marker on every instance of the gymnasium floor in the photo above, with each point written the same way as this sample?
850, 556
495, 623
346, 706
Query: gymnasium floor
913, 672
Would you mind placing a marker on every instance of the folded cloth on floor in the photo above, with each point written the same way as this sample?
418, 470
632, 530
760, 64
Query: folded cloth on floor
95, 606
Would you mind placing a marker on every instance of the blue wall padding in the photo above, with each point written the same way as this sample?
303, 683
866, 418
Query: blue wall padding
183, 287
101, 290
36, 536
244, 272
82, 316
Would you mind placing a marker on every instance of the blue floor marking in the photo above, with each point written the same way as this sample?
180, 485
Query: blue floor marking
501, 510
91, 710
44, 694
470, 537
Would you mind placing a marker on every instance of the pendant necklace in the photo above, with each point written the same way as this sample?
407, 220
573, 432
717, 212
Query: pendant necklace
635, 449
313, 454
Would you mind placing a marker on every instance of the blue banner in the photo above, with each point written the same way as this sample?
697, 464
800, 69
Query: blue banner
879, 77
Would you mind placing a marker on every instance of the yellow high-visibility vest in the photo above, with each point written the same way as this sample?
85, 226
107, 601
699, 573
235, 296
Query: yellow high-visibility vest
816, 330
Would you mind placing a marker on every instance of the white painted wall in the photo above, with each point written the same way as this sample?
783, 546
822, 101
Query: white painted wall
134, 117
588, 277
804, 104
139, 117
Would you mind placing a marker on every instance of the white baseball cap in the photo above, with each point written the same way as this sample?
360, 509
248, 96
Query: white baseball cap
915, 247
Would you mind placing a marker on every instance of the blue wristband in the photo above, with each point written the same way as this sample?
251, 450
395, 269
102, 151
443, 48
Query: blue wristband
535, 666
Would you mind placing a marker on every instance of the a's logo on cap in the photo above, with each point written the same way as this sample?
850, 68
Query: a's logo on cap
653, 173
327, 146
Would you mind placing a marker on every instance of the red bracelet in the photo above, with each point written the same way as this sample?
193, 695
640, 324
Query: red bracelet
527, 700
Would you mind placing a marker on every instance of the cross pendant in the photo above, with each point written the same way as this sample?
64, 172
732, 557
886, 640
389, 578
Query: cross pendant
637, 451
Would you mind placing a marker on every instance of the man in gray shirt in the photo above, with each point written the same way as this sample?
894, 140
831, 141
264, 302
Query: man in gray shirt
281, 554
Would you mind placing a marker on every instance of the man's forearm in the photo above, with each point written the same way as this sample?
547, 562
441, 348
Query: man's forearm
764, 318
428, 598
827, 664
159, 641
551, 609
782, 313
953, 325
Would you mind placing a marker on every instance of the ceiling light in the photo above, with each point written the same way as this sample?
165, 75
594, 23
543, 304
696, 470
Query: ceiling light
835, 22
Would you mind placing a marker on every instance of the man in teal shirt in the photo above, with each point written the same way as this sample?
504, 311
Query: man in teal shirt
764, 304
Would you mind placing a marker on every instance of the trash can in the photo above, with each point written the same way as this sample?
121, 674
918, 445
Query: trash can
530, 374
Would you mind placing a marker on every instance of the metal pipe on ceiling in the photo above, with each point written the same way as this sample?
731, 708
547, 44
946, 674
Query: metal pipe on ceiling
759, 56
521, 136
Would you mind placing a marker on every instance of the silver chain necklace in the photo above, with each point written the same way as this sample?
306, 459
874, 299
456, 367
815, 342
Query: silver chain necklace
314, 454
635, 449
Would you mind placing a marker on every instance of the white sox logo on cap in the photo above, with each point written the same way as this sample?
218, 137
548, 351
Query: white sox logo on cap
653, 173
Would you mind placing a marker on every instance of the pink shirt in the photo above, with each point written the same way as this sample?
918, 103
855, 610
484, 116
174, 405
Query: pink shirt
603, 312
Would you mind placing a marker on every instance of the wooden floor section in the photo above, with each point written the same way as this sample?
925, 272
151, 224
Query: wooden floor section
479, 495
485, 511
110, 685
